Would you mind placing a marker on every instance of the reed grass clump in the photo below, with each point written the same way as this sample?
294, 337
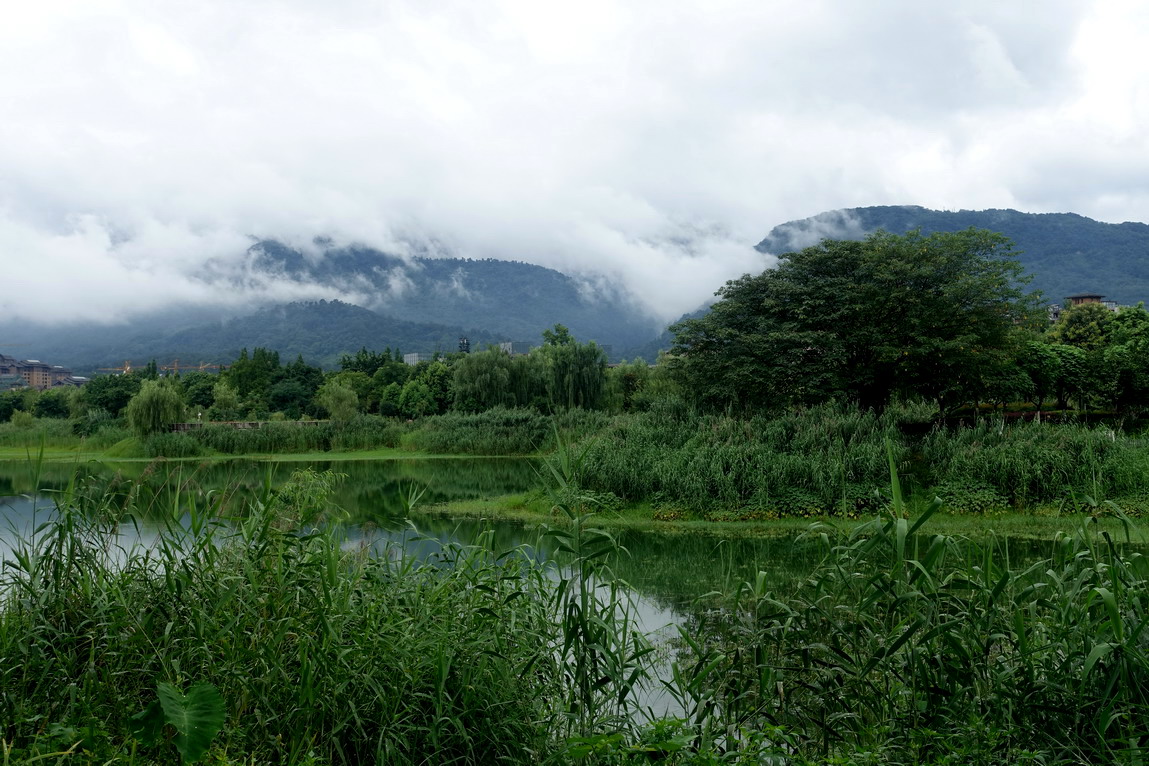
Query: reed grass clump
269, 438
321, 654
823, 461
1031, 464
55, 432
497, 431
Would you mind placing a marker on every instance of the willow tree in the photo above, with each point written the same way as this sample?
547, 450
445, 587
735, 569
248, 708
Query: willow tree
155, 407
577, 371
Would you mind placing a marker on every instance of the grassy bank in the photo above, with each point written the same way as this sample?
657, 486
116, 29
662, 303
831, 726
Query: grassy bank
536, 509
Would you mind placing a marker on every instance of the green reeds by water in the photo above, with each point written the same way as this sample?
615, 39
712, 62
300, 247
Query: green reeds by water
898, 648
826, 460
321, 654
1030, 464
501, 431
830, 461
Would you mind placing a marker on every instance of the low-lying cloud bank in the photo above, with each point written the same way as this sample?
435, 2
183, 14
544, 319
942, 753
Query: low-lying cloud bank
648, 144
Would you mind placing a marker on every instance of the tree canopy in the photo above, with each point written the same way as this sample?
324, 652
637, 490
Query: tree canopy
860, 321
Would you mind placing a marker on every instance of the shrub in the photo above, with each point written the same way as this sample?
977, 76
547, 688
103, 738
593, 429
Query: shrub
970, 497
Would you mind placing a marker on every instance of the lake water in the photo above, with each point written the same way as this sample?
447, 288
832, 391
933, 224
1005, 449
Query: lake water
670, 570
374, 495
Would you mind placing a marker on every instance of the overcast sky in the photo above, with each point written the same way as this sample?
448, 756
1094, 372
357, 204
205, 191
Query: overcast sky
655, 141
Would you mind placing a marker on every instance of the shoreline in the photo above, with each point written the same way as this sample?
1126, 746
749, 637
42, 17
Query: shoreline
535, 512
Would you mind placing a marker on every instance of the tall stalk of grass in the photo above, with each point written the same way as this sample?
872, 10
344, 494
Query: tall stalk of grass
601, 653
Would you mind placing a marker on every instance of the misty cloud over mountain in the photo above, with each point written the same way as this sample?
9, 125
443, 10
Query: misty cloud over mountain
643, 146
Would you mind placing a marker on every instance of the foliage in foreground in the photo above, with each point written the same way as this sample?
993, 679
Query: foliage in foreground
319, 652
897, 649
917, 649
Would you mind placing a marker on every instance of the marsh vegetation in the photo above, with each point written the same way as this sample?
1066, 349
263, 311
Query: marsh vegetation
892, 645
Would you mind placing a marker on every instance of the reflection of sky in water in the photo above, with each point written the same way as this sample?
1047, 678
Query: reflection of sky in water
19, 517
23, 518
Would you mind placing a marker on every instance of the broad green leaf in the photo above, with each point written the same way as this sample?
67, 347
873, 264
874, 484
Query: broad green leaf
197, 717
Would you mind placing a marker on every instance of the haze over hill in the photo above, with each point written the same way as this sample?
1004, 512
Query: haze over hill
420, 304
425, 303
510, 299
1064, 252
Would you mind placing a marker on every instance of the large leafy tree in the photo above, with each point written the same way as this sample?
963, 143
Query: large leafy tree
1126, 360
482, 380
340, 401
859, 320
112, 392
252, 376
1086, 326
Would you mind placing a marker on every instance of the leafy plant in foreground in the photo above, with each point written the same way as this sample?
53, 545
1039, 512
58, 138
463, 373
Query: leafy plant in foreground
196, 717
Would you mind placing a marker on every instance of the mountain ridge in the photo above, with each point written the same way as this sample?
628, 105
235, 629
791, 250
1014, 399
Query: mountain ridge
1066, 253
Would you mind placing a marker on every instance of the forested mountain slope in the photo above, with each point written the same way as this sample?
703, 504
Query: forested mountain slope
321, 331
513, 300
1066, 253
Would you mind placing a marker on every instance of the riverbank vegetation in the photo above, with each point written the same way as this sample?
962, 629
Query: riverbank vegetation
896, 647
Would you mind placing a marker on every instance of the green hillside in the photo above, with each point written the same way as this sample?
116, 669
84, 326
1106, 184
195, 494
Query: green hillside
321, 331
511, 299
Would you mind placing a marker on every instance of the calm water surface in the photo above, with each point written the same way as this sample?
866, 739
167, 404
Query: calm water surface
668, 570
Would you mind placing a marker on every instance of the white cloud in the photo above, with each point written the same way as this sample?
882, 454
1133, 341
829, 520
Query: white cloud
650, 142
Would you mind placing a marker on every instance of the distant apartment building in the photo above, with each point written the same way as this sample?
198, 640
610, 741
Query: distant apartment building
515, 347
414, 359
36, 374
1081, 299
